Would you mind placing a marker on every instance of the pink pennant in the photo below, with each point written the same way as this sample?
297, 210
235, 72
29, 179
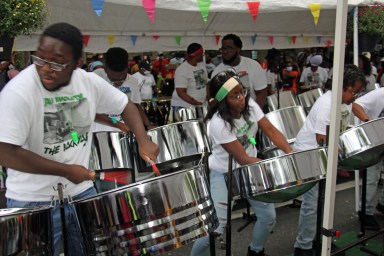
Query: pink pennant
156, 37
217, 38
294, 39
86, 39
271, 39
149, 6
329, 42
254, 9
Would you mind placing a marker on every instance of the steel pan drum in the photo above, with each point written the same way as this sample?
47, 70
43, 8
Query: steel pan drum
307, 99
180, 143
280, 178
192, 113
26, 231
289, 122
149, 217
285, 98
362, 146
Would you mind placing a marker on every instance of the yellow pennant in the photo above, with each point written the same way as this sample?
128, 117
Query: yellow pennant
111, 39
315, 9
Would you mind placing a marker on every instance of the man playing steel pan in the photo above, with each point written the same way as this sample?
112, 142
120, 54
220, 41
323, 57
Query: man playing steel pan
45, 134
313, 134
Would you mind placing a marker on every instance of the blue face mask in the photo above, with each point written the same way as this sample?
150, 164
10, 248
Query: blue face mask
289, 69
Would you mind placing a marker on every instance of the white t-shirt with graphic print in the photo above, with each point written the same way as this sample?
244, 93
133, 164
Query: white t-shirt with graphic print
43, 121
317, 121
219, 132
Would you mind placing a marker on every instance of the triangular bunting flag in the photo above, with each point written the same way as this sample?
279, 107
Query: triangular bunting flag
178, 39
86, 40
271, 39
315, 9
254, 9
149, 6
111, 39
155, 37
204, 6
318, 39
329, 42
217, 38
289, 39
97, 6
294, 39
307, 39
133, 39
253, 38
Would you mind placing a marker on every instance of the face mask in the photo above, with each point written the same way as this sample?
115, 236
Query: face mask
146, 72
289, 69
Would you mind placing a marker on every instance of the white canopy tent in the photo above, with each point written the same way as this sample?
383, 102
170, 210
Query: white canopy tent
125, 23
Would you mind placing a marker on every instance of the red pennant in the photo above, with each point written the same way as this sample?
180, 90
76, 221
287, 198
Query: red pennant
271, 39
329, 42
156, 37
217, 38
294, 39
254, 9
86, 39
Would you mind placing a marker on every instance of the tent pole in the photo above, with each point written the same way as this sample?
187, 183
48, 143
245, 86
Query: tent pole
338, 60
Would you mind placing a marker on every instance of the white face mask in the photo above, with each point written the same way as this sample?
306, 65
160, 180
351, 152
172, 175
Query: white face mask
289, 69
146, 72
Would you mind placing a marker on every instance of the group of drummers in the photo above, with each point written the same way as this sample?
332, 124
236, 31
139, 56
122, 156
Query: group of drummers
55, 95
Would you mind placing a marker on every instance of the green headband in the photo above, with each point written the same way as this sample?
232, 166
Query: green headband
226, 88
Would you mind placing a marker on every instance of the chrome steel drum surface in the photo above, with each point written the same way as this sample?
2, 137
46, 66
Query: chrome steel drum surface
362, 146
179, 143
192, 113
281, 174
149, 217
111, 151
289, 122
26, 231
284, 98
307, 99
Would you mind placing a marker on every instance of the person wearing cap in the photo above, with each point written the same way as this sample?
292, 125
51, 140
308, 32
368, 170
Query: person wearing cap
95, 65
145, 80
190, 80
313, 76
116, 73
232, 123
251, 74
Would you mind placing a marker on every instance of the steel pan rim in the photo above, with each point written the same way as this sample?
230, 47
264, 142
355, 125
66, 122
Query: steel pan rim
22, 211
283, 109
173, 124
357, 127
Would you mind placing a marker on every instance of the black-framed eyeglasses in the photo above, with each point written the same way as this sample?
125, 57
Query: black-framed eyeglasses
355, 94
227, 49
238, 95
52, 65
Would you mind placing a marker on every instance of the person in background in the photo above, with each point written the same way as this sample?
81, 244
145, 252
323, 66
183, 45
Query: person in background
290, 75
178, 59
252, 75
190, 80
232, 122
367, 108
208, 64
313, 134
145, 80
134, 64
64, 104
95, 65
4, 67
116, 73
313, 76
273, 72
365, 65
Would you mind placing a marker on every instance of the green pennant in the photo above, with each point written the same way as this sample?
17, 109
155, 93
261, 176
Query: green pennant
204, 6
178, 39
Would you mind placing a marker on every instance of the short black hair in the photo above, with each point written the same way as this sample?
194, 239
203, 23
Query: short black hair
116, 59
236, 40
353, 74
193, 47
69, 34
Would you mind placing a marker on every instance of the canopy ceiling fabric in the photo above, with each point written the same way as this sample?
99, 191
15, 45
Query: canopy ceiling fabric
125, 23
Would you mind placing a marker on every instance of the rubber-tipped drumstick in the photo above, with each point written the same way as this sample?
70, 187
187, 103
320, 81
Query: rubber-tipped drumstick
153, 165
121, 177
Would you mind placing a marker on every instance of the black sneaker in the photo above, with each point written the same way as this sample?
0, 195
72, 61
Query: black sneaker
303, 252
369, 222
380, 208
253, 253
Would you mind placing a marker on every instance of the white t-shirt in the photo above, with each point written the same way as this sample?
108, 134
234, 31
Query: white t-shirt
371, 81
42, 122
219, 132
318, 78
272, 79
145, 85
253, 75
130, 87
372, 102
194, 79
317, 121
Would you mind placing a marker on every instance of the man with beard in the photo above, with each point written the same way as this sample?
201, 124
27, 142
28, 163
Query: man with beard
252, 75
